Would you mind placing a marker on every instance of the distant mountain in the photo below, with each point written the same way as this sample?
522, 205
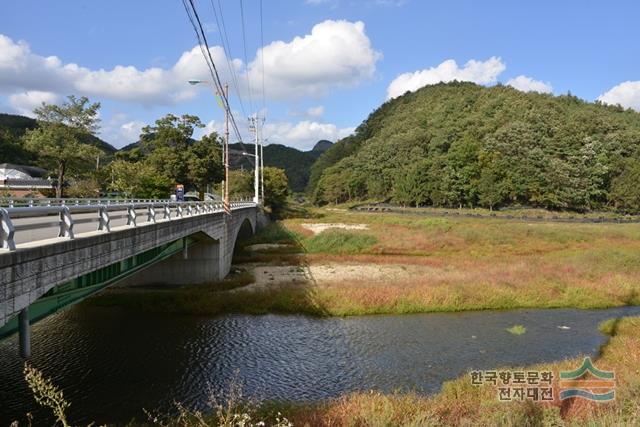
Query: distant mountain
322, 146
13, 127
296, 164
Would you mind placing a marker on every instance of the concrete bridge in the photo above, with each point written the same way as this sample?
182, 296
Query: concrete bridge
100, 243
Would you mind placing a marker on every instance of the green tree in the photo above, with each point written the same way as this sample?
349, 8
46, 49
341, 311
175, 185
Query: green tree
240, 184
140, 180
58, 138
491, 189
204, 162
625, 191
276, 189
11, 151
545, 151
166, 145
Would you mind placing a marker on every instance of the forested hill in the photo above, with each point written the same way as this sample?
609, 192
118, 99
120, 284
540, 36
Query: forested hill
460, 144
13, 127
296, 164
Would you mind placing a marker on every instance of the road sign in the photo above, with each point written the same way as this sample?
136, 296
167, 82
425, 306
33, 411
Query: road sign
180, 192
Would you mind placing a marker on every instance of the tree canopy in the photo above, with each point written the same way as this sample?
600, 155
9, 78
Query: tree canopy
58, 137
168, 155
461, 144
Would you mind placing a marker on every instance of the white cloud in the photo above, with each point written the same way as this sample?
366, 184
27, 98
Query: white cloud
24, 103
626, 94
120, 130
22, 69
212, 126
303, 135
315, 111
312, 112
527, 84
336, 54
481, 72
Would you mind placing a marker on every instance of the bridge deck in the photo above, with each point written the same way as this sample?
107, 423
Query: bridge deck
35, 263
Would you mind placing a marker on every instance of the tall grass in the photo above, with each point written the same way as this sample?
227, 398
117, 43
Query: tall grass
339, 242
274, 232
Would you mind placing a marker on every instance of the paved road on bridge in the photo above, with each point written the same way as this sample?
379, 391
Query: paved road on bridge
83, 222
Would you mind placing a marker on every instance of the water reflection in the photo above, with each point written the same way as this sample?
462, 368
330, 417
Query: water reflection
112, 363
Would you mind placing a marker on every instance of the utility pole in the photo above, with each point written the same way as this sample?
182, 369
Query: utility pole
262, 162
253, 125
227, 205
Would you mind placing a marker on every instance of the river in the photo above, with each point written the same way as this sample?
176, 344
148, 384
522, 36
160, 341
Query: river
113, 364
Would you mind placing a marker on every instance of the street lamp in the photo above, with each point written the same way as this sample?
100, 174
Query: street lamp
225, 189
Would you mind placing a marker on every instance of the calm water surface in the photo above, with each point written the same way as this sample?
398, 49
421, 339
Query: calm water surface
113, 363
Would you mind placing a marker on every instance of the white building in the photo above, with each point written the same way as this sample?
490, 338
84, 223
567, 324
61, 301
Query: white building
18, 177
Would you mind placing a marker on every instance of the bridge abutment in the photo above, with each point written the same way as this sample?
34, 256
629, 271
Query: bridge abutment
198, 264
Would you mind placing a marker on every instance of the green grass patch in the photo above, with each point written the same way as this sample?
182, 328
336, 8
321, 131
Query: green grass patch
609, 327
517, 330
274, 232
339, 242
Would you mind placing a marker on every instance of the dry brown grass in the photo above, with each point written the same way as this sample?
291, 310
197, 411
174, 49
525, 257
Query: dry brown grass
464, 264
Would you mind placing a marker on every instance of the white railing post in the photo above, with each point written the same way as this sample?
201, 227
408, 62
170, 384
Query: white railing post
167, 211
151, 213
66, 223
104, 221
6, 231
131, 215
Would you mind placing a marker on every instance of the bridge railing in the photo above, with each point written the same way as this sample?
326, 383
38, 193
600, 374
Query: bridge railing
65, 209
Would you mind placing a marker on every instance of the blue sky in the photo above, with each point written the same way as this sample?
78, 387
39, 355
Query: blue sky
328, 63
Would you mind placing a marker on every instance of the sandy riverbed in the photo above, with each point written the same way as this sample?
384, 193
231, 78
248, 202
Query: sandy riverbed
266, 276
318, 228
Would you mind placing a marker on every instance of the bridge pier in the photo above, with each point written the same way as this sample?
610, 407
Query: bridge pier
24, 333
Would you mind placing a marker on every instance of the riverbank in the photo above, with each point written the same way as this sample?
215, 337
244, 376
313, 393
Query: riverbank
460, 403
336, 262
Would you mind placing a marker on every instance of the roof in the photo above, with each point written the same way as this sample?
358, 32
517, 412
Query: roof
32, 171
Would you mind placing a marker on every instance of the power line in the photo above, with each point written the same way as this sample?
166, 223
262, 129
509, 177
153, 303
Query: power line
222, 29
264, 98
246, 59
192, 14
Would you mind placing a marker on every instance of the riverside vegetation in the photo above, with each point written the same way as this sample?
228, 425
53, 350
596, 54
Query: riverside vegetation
458, 403
410, 264
399, 264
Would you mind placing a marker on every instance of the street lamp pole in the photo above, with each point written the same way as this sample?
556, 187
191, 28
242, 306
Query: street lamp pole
225, 151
